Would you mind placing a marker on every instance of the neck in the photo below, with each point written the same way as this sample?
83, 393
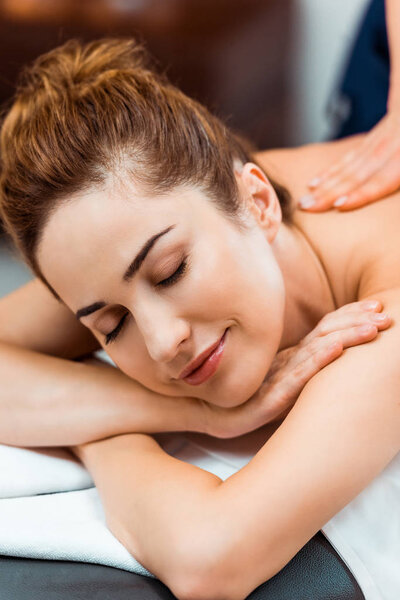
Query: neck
308, 293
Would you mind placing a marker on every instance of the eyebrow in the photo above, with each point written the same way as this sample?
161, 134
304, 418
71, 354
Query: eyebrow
129, 273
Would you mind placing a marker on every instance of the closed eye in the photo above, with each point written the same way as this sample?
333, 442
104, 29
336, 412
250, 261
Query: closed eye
110, 337
175, 276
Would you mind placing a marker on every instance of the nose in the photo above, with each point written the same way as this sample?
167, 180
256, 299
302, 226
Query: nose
162, 331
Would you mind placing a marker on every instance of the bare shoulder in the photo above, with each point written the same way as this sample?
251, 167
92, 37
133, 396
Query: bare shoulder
359, 249
294, 167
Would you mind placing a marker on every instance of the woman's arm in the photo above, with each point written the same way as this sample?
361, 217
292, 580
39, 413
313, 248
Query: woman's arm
50, 401
47, 399
210, 539
31, 318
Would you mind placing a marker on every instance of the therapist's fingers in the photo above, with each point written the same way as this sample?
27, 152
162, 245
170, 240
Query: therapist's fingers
374, 145
368, 180
332, 172
363, 175
384, 183
351, 177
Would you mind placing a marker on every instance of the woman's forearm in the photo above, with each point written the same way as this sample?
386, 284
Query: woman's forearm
152, 502
50, 401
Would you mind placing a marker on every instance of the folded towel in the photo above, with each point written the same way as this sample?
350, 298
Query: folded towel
26, 472
47, 522
55, 524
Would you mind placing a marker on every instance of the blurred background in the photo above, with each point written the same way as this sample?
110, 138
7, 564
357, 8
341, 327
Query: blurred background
269, 68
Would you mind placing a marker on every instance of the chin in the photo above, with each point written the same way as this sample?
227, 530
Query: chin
238, 390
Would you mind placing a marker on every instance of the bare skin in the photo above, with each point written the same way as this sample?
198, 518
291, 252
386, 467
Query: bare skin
327, 435
205, 520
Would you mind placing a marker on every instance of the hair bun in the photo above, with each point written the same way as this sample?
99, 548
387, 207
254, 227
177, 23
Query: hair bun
68, 67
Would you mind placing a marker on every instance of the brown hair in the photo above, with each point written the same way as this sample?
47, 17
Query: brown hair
82, 111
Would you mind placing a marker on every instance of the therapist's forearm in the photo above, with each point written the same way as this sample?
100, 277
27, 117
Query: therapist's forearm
393, 29
50, 401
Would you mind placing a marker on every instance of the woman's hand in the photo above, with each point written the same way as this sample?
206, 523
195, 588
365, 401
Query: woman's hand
350, 325
369, 172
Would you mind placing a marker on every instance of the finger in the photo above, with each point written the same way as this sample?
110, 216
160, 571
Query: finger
334, 191
344, 320
328, 349
368, 304
323, 188
380, 138
366, 167
345, 316
279, 361
348, 180
353, 336
357, 167
384, 183
332, 171
282, 395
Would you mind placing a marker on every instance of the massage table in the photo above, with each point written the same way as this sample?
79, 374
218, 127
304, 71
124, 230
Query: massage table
315, 573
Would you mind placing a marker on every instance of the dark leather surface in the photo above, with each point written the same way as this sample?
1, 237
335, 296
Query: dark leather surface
315, 573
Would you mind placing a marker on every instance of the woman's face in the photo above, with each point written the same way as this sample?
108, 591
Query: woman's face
225, 279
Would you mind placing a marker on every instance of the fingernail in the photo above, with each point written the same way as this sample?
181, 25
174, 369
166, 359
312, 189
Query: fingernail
380, 317
340, 201
370, 304
306, 201
314, 182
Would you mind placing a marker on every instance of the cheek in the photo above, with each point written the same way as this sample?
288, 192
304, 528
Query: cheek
133, 360
260, 299
127, 354
255, 338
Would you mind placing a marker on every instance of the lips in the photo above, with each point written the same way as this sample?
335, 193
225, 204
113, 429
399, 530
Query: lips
197, 361
205, 364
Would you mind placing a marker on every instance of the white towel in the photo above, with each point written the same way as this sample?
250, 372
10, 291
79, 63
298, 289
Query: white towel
49, 523
71, 525
26, 472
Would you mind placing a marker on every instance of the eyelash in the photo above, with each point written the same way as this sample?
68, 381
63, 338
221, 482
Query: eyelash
110, 337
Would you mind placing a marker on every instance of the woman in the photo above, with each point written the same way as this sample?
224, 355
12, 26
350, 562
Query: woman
155, 227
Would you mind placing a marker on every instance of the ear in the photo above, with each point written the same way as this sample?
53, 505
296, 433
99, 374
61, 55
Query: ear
260, 198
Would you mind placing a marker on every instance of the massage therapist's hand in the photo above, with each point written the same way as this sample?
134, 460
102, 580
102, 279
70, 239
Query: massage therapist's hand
369, 172
350, 325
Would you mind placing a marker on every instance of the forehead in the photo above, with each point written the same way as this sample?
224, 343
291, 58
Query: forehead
98, 233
